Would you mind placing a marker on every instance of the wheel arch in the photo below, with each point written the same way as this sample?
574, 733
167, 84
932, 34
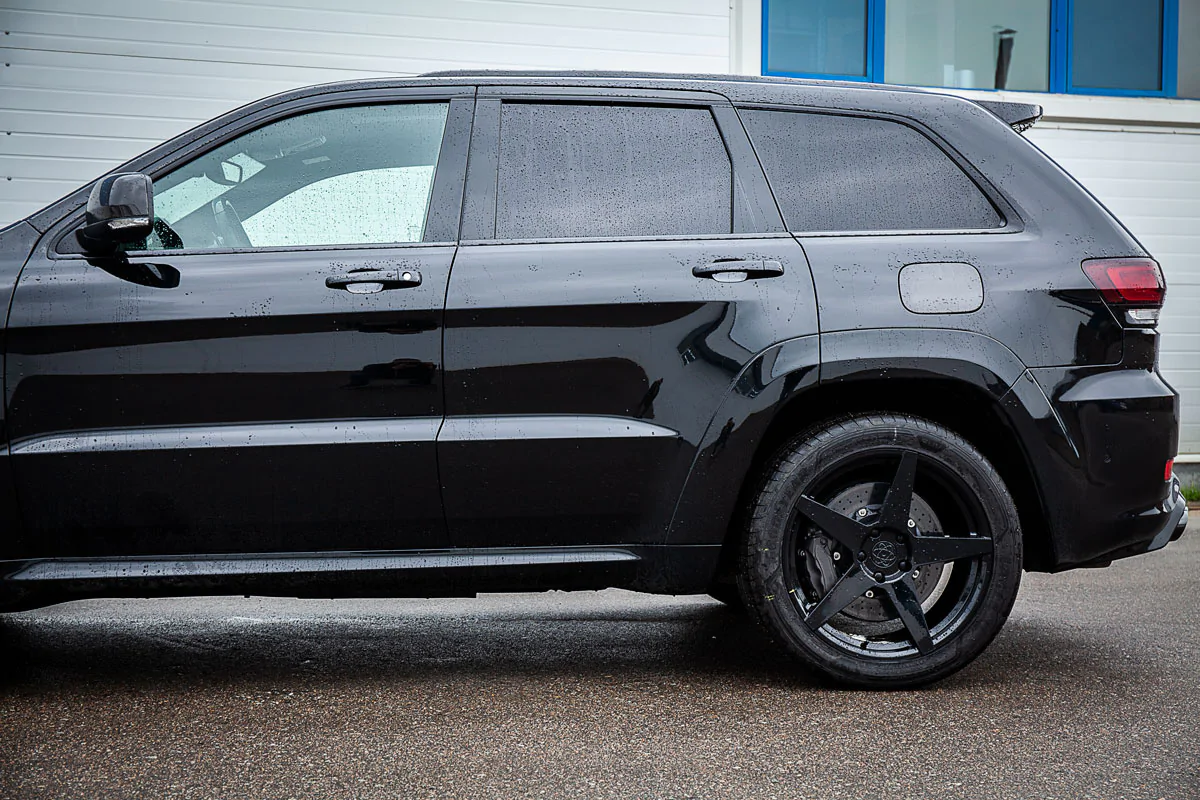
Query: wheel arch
957, 379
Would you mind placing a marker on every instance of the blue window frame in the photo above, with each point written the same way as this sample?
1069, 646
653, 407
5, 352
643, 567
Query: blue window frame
1143, 65
844, 39
822, 38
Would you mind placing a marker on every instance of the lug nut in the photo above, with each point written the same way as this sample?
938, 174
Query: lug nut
879, 577
903, 565
862, 512
837, 556
870, 594
916, 573
862, 556
912, 524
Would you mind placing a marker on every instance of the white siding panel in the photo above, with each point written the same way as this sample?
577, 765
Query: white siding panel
86, 85
113, 103
412, 52
83, 126
47, 168
1151, 181
108, 149
97, 72
329, 30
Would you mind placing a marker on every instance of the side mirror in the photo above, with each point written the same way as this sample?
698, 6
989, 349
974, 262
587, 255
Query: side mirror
120, 209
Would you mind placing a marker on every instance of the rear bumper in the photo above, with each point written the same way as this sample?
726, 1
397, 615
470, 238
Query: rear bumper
1104, 438
1177, 518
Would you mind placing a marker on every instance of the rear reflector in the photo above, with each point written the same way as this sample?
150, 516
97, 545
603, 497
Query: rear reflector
1127, 281
1169, 469
1142, 316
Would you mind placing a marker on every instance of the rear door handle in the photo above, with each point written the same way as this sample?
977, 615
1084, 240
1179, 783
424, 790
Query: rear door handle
737, 270
369, 281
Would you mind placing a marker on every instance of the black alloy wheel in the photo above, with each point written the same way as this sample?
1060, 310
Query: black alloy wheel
882, 550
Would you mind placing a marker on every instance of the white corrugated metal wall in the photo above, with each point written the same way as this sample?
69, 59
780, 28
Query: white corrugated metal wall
86, 85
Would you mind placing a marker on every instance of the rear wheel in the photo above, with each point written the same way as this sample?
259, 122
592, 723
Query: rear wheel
882, 550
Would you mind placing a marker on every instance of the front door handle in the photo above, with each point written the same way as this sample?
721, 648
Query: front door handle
736, 270
369, 281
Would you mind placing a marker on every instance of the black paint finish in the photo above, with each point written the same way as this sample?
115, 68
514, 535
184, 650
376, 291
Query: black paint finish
250, 408
232, 401
620, 330
16, 243
232, 420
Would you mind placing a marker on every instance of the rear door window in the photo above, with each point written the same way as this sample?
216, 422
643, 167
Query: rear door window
589, 170
836, 173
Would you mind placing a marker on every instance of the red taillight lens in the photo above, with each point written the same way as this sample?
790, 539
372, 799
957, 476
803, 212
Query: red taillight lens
1168, 470
1127, 281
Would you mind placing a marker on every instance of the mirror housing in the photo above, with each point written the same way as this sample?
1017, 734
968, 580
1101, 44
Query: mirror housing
120, 209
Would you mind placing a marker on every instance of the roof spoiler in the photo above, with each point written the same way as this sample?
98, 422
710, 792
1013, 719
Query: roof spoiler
1020, 116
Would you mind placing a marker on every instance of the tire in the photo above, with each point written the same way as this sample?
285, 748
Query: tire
868, 582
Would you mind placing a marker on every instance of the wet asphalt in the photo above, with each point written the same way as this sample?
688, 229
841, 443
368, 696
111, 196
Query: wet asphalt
1091, 691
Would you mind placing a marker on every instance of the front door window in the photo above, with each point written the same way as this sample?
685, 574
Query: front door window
341, 176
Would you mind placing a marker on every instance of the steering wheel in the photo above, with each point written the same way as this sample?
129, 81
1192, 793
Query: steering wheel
228, 225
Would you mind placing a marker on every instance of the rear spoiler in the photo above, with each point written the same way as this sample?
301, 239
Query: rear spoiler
1020, 116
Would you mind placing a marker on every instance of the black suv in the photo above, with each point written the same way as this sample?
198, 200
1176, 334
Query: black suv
849, 356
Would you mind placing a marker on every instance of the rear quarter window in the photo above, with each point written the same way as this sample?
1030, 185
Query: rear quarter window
839, 173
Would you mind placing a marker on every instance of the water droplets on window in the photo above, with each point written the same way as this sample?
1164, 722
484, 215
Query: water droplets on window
354, 175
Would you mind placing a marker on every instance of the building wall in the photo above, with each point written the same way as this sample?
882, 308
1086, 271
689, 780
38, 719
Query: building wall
86, 85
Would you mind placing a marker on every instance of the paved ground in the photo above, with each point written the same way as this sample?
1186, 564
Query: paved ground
1092, 691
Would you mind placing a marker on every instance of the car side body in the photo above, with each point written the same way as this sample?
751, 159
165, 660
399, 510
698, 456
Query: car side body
571, 411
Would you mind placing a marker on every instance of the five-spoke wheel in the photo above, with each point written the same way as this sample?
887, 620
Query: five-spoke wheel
883, 550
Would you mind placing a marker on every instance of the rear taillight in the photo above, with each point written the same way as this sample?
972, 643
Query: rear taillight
1170, 468
1132, 285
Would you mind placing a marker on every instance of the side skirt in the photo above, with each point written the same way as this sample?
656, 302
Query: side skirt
687, 569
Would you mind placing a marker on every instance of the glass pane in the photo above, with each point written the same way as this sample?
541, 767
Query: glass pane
836, 173
370, 206
356, 175
1188, 79
818, 37
1116, 44
575, 171
968, 44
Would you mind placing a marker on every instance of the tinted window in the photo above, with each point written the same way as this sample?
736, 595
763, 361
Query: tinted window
572, 171
840, 173
359, 175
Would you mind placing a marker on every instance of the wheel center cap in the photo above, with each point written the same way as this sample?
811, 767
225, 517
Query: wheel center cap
885, 553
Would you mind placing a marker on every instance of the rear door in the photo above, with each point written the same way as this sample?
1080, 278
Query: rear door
621, 261
264, 373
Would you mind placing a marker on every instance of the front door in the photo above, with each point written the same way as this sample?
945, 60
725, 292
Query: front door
262, 375
622, 260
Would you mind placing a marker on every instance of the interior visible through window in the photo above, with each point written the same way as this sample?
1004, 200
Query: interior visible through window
355, 175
